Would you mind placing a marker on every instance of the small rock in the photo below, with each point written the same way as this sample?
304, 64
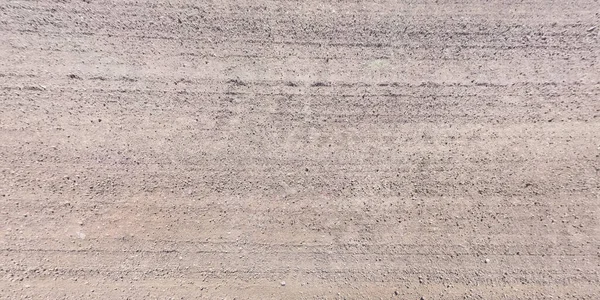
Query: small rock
591, 29
487, 260
283, 283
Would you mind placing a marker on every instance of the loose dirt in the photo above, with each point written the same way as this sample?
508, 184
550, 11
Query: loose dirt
299, 150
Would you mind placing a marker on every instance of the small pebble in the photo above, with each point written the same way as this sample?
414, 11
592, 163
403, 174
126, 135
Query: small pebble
283, 283
487, 260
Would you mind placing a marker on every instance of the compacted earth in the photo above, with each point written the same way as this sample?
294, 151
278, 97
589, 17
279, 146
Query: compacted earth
328, 149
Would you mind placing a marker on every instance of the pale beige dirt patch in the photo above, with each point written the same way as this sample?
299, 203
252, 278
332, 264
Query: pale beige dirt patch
376, 150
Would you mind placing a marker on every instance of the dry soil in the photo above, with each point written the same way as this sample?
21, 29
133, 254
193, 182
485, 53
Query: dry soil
299, 149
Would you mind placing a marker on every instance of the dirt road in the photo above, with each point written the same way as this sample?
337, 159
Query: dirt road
299, 150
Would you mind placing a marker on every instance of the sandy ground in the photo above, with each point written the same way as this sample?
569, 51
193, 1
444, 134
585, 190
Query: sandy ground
299, 150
